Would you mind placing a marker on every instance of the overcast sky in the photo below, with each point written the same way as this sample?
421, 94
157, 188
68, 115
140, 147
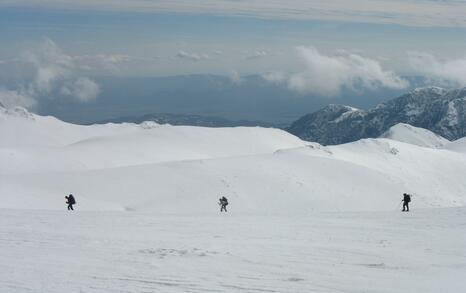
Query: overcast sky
58, 47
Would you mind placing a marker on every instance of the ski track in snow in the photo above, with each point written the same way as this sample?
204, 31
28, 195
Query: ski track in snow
59, 251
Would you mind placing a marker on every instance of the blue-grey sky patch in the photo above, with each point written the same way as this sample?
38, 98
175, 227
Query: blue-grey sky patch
372, 43
405, 12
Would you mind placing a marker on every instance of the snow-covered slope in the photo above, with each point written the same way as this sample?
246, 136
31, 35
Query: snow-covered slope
32, 143
277, 229
457, 145
415, 135
164, 168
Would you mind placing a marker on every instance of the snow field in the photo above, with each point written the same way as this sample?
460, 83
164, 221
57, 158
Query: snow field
57, 251
302, 217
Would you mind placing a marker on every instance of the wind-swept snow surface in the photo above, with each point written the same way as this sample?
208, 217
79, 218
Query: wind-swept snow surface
389, 252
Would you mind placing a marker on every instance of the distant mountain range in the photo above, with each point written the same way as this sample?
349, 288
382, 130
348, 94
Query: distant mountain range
439, 110
188, 119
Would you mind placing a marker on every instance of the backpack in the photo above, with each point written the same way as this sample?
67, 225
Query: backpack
71, 200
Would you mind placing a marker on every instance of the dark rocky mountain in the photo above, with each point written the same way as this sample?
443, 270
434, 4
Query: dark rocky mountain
186, 119
439, 110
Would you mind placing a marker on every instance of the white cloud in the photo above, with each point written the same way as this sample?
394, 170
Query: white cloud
10, 98
276, 77
327, 75
83, 89
235, 77
50, 65
51, 74
192, 56
434, 68
257, 54
105, 62
404, 12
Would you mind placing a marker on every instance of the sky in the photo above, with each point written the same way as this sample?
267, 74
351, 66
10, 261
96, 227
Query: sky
59, 49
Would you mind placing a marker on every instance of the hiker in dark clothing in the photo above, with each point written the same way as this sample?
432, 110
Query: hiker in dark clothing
223, 202
70, 201
406, 200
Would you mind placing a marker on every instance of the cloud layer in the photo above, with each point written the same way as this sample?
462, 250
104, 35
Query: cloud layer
47, 73
192, 56
404, 12
451, 71
327, 75
11, 98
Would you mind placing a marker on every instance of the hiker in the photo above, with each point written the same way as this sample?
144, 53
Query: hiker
70, 201
223, 202
406, 200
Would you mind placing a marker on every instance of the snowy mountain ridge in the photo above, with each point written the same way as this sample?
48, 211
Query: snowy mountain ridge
16, 112
436, 109
415, 135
